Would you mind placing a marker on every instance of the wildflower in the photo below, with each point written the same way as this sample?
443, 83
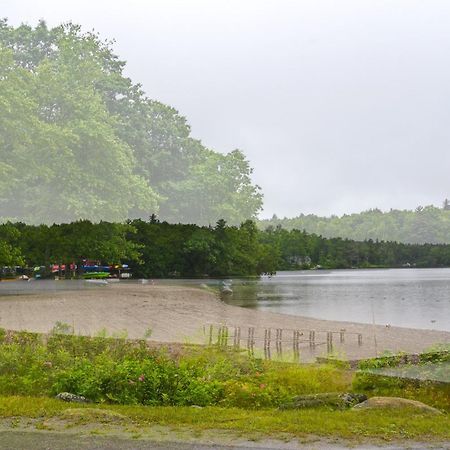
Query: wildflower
262, 386
141, 378
48, 364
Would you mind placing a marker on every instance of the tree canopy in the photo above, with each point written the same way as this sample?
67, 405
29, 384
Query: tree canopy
424, 225
79, 140
159, 249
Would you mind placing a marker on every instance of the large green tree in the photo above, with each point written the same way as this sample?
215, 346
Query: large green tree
79, 140
10, 254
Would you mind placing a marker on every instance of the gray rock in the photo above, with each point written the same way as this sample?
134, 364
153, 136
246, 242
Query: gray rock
68, 397
395, 402
334, 400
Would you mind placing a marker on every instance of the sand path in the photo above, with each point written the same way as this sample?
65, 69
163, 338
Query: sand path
180, 314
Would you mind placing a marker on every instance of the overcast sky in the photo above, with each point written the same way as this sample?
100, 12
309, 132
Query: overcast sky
339, 105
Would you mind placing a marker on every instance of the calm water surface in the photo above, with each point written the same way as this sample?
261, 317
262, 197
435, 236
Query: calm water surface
416, 298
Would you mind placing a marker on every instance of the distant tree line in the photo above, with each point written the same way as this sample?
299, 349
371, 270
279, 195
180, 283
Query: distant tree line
424, 225
301, 250
159, 249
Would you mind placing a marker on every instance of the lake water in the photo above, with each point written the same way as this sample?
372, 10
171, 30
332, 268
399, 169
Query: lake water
416, 298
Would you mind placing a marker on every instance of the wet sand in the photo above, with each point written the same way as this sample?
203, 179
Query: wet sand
184, 314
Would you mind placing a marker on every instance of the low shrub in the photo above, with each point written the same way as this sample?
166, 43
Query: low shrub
125, 372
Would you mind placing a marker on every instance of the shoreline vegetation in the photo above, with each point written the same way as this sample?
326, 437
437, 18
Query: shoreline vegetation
135, 389
154, 249
131, 388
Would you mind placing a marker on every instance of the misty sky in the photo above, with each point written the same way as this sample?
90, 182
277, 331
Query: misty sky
339, 105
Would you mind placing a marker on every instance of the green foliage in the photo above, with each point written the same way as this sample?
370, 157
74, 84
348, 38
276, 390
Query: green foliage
62, 328
429, 392
158, 249
429, 366
193, 251
66, 243
10, 254
428, 225
114, 370
148, 333
300, 250
276, 384
79, 140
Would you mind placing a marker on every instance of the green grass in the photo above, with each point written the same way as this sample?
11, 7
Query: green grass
238, 393
388, 424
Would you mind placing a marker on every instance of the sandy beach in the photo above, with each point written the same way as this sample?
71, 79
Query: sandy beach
184, 314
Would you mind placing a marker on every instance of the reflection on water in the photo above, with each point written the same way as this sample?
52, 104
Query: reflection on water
416, 298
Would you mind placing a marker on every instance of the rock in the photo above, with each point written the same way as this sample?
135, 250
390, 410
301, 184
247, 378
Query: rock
335, 400
395, 402
68, 397
227, 290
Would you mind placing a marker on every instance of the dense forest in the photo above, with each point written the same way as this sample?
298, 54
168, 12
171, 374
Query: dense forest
428, 225
80, 140
159, 249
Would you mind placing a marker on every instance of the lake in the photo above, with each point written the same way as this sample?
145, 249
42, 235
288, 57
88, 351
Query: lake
416, 298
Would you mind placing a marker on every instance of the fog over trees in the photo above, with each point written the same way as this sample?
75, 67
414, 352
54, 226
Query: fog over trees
424, 225
79, 140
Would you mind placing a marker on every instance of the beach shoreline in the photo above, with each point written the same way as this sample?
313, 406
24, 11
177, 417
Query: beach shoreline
181, 314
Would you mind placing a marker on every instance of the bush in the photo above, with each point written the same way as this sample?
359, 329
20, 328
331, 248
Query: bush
126, 372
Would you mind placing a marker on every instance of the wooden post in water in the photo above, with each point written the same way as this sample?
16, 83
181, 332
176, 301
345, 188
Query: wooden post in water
219, 336
225, 340
329, 341
279, 341
211, 328
236, 337
359, 339
341, 336
296, 339
252, 339
266, 344
312, 338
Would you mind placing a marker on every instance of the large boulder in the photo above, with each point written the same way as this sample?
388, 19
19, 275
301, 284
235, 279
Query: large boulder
395, 402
